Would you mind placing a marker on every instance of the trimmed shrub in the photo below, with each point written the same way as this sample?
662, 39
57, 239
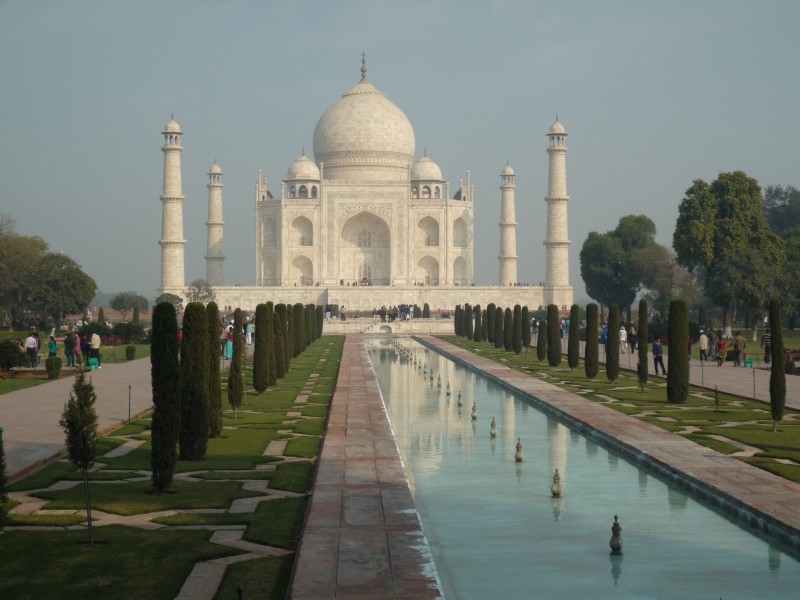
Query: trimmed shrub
643, 366
457, 321
279, 352
612, 344
299, 329
165, 378
426, 311
477, 335
526, 329
136, 314
260, 356
95, 327
417, 312
128, 332
468, 329
499, 333
678, 373
52, 364
574, 342
214, 379
3, 483
130, 352
11, 355
320, 313
101, 316
553, 336
280, 312
193, 438
777, 374
508, 330
236, 370
541, 341
491, 312
484, 327
591, 354
516, 337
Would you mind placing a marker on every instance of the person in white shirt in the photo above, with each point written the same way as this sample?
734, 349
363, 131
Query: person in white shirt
623, 339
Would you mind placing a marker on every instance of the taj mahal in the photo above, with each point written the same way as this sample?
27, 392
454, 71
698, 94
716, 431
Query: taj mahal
363, 224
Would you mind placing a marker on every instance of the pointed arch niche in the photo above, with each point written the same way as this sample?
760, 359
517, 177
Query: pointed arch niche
365, 248
460, 233
428, 271
460, 271
427, 232
302, 232
302, 271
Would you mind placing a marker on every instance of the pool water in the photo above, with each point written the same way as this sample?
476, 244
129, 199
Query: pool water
496, 531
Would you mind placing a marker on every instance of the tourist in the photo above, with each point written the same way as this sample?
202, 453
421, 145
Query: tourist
658, 356
623, 339
32, 350
721, 350
94, 348
632, 338
69, 349
703, 341
52, 347
739, 344
85, 346
766, 344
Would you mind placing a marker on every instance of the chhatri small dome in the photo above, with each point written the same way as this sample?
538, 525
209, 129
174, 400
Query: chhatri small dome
303, 168
215, 170
425, 168
364, 128
557, 128
508, 171
172, 126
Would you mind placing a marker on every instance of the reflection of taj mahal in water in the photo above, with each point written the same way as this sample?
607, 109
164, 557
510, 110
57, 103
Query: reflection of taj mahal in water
363, 215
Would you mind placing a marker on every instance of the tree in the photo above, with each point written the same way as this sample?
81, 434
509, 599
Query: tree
426, 311
165, 380
200, 291
718, 224
484, 327
553, 336
260, 354
478, 333
782, 208
136, 314
279, 352
193, 438
101, 316
124, 302
591, 362
612, 352
526, 329
457, 321
176, 301
491, 311
18, 255
516, 337
468, 328
214, 377
499, 333
659, 272
573, 343
678, 373
541, 340
320, 312
79, 422
3, 478
280, 311
777, 373
508, 330
642, 367
236, 370
311, 326
299, 329
56, 284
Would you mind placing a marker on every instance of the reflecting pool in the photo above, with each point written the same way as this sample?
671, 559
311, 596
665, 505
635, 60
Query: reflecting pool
496, 531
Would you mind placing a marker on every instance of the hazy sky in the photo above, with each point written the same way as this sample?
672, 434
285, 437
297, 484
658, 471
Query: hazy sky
653, 95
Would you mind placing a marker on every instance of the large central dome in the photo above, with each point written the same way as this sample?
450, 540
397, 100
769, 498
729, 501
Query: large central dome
364, 129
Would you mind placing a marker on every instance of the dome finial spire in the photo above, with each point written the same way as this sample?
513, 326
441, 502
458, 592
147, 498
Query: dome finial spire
363, 66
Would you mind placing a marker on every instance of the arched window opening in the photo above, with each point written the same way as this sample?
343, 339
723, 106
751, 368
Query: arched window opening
303, 192
365, 239
437, 192
313, 191
426, 191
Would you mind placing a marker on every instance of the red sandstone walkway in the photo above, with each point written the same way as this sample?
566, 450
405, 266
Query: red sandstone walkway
362, 537
765, 500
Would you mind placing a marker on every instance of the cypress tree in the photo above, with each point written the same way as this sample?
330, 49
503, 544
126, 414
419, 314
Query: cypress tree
417, 312
468, 330
574, 343
193, 438
612, 354
290, 329
320, 312
280, 311
457, 320
499, 334
299, 329
101, 316
478, 333
591, 362
165, 381
269, 343
508, 330
777, 373
553, 336
79, 421
280, 353
3, 480
516, 336
135, 317
541, 341
678, 373
236, 370
426, 311
311, 323
526, 329
260, 355
491, 310
214, 385
484, 326
643, 366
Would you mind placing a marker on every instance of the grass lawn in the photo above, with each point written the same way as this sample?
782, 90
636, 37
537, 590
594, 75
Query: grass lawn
734, 418
138, 564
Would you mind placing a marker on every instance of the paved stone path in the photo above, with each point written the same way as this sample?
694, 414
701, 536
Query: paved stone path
362, 537
750, 494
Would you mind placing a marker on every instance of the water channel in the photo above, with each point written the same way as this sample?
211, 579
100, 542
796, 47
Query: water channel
496, 531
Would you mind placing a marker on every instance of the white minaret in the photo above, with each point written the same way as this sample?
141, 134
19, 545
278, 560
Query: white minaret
508, 229
172, 242
214, 256
557, 241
